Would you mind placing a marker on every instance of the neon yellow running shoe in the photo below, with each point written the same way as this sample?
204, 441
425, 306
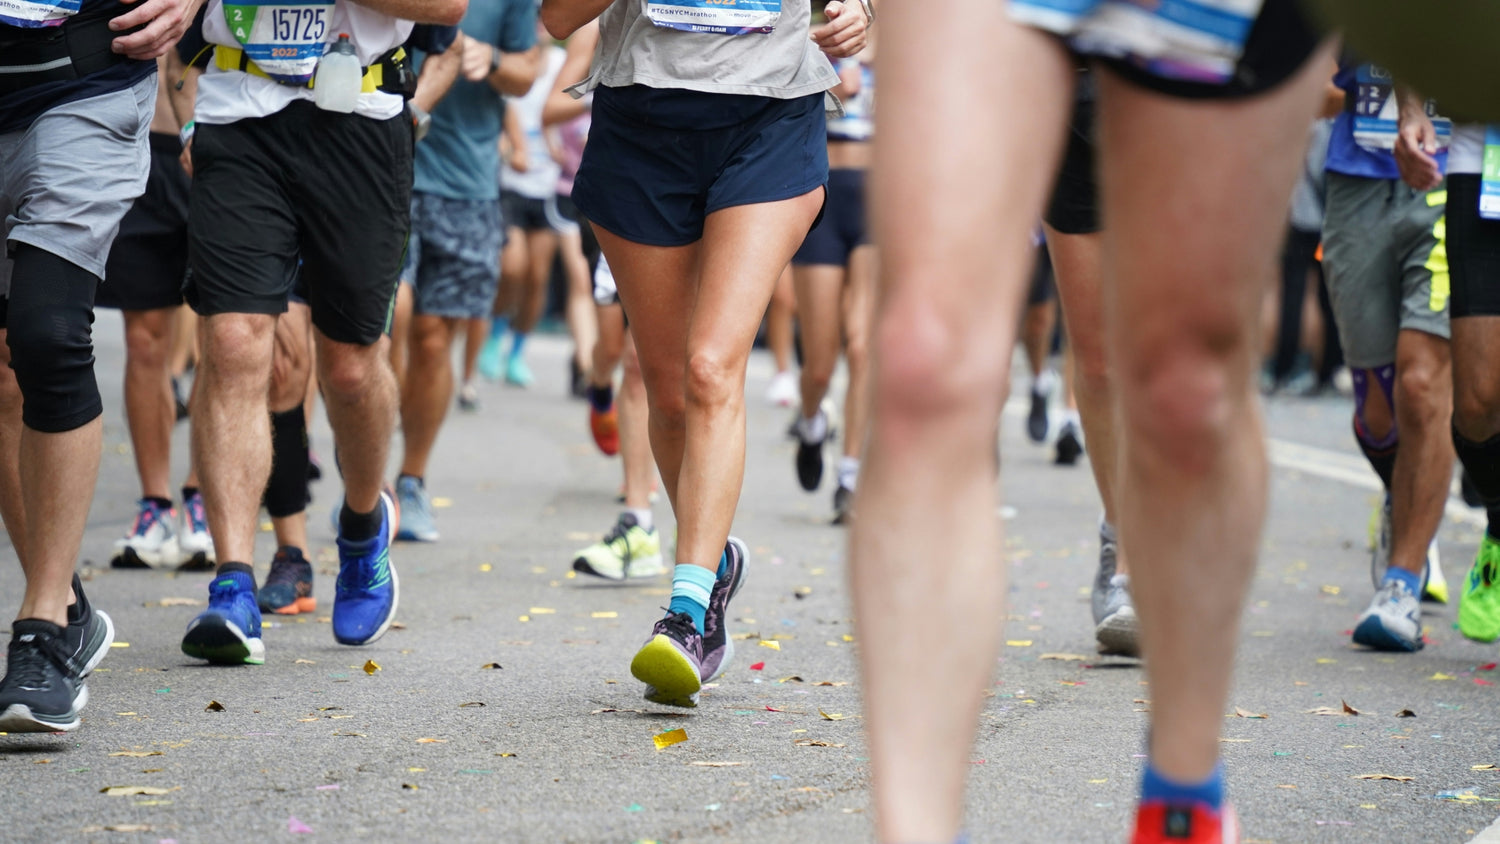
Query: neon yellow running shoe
627, 552
1479, 607
1437, 584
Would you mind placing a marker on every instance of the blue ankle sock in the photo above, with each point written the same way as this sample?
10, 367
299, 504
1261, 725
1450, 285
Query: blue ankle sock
498, 326
691, 586
517, 342
1413, 581
1209, 793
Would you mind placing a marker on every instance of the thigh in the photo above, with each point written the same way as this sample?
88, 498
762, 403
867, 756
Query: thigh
1199, 254
657, 285
353, 206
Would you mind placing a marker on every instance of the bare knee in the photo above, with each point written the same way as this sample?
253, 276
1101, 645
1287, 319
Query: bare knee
347, 371
147, 341
714, 379
932, 365
857, 353
1476, 409
1183, 395
237, 349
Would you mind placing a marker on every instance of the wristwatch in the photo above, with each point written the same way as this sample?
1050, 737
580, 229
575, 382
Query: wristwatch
494, 58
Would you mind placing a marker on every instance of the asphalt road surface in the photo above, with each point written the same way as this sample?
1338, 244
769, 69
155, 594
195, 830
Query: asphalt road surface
503, 708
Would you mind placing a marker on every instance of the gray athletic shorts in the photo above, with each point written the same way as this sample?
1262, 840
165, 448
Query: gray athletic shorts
453, 255
1386, 265
67, 180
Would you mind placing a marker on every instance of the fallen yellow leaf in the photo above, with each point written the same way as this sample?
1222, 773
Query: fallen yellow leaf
766, 643
371, 666
669, 738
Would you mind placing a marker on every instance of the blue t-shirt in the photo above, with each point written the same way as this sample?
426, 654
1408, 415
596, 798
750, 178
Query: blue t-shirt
18, 110
460, 157
1345, 155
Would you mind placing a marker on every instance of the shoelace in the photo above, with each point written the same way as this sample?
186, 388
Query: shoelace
28, 661
680, 625
148, 516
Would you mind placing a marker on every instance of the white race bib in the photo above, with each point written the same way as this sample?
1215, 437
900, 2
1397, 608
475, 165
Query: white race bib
284, 39
1376, 110
34, 14
722, 17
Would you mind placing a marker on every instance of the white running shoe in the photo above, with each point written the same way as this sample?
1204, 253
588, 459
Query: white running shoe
784, 390
152, 540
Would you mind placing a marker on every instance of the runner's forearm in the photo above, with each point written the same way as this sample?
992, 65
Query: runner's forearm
563, 17
444, 12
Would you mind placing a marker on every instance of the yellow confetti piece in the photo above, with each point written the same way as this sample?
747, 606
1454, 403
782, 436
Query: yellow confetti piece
767, 643
1018, 643
119, 644
125, 713
570, 575
831, 717
524, 618
416, 770
371, 666
848, 638
1323, 660
1329, 590
1064, 657
542, 611
266, 527
1099, 781
1441, 676
669, 738
604, 615
1368, 806
441, 502
486, 567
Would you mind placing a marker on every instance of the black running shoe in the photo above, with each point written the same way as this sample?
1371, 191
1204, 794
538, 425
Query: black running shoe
1036, 420
1069, 446
843, 505
810, 463
179, 405
288, 588
89, 631
43, 687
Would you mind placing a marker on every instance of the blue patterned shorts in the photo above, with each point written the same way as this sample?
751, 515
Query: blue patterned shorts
453, 257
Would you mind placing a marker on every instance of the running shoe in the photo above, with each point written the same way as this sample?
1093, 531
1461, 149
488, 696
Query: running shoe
489, 363
1393, 621
468, 399
152, 540
671, 661
228, 632
1380, 541
1116, 626
89, 631
627, 552
843, 505
179, 407
718, 648
1069, 445
783, 391
1036, 419
288, 588
1479, 606
810, 460
1434, 584
1157, 822
43, 687
367, 591
517, 373
606, 429
195, 545
416, 522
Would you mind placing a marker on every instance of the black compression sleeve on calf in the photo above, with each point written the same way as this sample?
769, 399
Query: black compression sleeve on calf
1482, 462
1382, 460
50, 333
286, 489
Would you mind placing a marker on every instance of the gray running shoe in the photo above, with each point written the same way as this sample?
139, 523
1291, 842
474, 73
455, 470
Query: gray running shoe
1393, 621
1116, 627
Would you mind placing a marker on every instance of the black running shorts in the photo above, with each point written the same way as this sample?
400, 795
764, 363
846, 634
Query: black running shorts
1473, 252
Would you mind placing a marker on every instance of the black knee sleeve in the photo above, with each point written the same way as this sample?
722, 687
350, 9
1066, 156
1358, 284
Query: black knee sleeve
286, 489
1482, 462
50, 333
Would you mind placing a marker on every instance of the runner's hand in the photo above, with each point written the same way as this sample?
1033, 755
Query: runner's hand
186, 158
844, 34
476, 59
164, 20
1416, 141
518, 160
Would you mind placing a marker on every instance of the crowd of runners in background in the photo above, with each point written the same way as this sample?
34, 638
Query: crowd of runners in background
672, 168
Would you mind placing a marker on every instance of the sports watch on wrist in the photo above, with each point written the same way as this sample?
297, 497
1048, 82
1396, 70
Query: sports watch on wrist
494, 58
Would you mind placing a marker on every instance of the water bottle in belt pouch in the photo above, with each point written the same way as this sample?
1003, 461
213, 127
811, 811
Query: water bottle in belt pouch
336, 87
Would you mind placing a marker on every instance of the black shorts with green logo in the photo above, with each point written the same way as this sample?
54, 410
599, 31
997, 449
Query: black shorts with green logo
331, 190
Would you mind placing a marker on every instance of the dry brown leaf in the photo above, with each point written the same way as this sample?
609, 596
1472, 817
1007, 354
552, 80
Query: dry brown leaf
831, 717
471, 703
792, 679
1325, 710
1064, 657
1391, 777
1349, 710
832, 683
432, 741
214, 706
128, 790
304, 662
1245, 713
1406, 713
137, 754
807, 742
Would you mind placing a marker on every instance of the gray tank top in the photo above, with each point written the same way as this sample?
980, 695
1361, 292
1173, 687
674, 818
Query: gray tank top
711, 47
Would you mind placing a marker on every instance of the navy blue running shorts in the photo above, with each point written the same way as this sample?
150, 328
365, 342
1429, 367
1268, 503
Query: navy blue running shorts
659, 161
843, 228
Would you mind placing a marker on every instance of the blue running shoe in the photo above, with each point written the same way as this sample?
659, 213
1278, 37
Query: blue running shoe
364, 601
490, 363
228, 632
517, 373
415, 520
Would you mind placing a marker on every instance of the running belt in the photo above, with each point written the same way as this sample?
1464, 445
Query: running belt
73, 50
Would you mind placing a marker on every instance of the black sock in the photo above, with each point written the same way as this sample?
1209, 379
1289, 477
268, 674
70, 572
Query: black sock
601, 397
286, 488
1482, 462
164, 503
358, 527
1382, 460
188, 492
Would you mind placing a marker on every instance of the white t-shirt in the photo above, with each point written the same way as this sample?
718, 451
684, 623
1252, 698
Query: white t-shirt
540, 179
225, 96
1466, 155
